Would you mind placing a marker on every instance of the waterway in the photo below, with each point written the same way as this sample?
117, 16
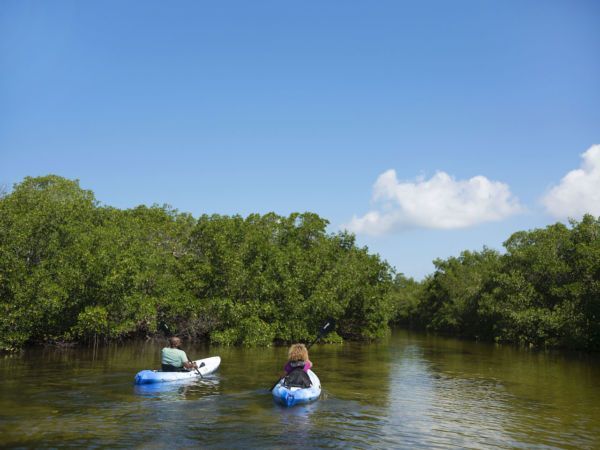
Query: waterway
410, 391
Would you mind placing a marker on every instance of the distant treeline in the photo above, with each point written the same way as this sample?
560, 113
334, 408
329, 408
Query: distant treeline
72, 270
544, 291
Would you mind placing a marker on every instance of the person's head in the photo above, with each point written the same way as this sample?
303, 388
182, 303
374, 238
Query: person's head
174, 342
298, 352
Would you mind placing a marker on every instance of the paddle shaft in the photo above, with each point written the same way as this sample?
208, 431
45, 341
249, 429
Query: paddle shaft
324, 330
197, 368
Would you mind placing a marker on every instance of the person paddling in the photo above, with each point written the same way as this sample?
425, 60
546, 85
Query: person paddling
173, 359
297, 367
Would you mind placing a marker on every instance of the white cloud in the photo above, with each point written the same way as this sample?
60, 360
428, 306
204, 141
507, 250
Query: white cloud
440, 202
578, 192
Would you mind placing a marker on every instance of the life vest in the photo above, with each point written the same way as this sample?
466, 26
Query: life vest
297, 376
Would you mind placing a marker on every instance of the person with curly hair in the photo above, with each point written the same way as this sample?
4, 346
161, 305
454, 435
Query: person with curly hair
297, 367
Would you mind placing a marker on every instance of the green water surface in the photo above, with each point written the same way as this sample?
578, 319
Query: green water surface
411, 391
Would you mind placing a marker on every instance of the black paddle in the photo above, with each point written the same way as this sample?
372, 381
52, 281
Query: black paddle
326, 328
198, 368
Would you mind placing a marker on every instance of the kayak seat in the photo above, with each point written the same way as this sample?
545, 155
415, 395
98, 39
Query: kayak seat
170, 368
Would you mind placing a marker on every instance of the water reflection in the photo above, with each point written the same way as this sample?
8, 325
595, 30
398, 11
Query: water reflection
451, 393
191, 388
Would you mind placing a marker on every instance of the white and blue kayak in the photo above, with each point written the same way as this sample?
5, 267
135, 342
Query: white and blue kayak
157, 376
290, 396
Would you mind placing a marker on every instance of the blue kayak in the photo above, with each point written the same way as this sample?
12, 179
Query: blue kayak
290, 396
158, 376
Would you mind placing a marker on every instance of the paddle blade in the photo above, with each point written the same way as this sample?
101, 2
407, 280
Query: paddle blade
162, 326
198, 369
328, 326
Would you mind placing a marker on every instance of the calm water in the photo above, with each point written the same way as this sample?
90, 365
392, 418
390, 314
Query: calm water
412, 391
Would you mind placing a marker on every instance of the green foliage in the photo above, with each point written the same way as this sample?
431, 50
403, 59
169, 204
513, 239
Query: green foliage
44, 247
405, 297
91, 322
287, 272
544, 291
71, 269
254, 331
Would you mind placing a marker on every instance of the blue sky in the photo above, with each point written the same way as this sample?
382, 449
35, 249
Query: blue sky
426, 127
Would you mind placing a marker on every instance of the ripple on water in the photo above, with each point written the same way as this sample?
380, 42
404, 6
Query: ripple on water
408, 393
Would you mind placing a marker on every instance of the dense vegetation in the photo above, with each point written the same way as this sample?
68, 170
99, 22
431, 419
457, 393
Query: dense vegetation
543, 291
72, 270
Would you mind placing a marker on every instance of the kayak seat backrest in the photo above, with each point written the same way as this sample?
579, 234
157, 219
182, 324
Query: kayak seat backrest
170, 368
297, 378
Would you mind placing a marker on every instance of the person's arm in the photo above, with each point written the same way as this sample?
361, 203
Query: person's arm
186, 361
